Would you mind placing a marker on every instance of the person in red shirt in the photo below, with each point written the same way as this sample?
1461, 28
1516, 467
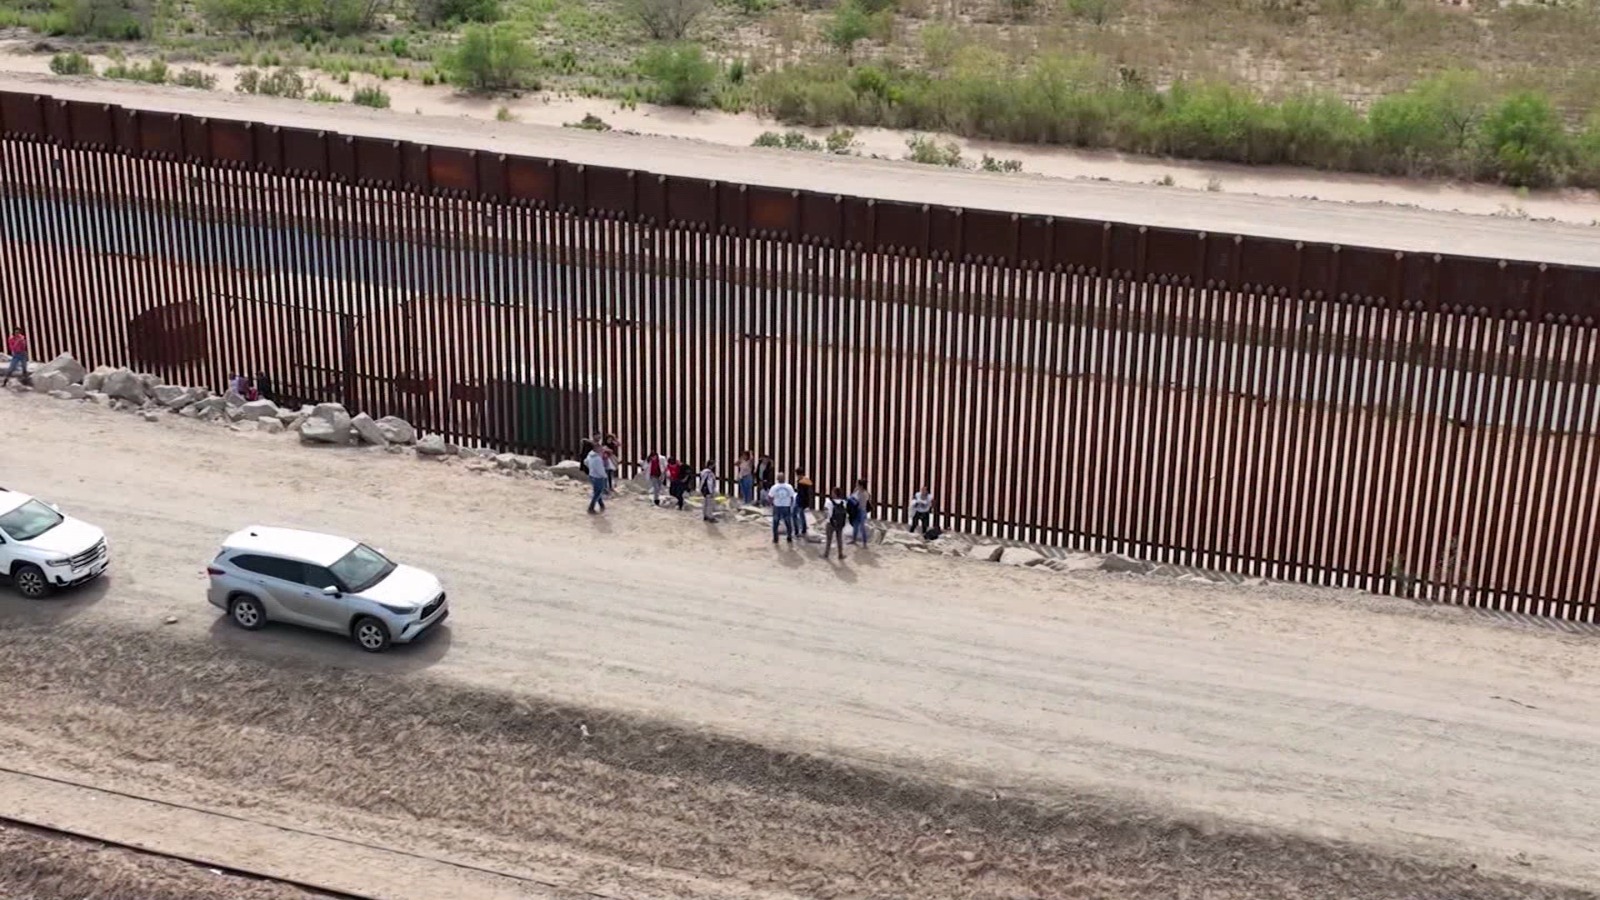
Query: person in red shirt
17, 347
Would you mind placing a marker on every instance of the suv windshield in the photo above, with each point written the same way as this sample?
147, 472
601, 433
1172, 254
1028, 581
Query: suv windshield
29, 520
362, 568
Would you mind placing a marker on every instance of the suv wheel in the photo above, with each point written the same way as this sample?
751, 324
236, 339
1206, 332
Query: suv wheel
30, 582
246, 612
371, 634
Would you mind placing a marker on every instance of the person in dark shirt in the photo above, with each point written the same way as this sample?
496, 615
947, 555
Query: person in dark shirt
805, 496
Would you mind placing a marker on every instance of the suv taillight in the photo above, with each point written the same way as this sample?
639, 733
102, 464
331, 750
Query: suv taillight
213, 571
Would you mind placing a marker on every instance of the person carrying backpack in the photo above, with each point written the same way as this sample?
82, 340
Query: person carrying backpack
655, 468
708, 492
837, 513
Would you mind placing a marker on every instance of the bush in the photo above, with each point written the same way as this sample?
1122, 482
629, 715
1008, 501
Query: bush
848, 26
71, 64
121, 20
491, 58
280, 83
340, 17
152, 72
1095, 12
682, 74
788, 140
589, 122
194, 78
928, 151
666, 20
437, 12
372, 96
1524, 142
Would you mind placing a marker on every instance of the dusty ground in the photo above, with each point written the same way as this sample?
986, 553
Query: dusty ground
1418, 217
34, 866
1085, 713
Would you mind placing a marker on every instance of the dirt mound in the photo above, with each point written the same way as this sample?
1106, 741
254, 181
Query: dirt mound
619, 794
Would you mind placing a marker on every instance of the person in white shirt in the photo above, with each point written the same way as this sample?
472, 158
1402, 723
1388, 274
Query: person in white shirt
921, 509
595, 464
708, 492
782, 496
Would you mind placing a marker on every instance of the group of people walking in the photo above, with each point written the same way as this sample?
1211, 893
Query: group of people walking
759, 482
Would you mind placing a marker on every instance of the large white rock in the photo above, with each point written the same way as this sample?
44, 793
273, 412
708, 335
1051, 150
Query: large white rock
324, 431
368, 431
986, 552
122, 384
332, 425
1021, 556
95, 381
50, 382
173, 396
433, 445
64, 366
397, 430
570, 468
259, 409
233, 397
270, 426
151, 382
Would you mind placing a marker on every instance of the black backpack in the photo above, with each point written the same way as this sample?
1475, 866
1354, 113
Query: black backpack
840, 516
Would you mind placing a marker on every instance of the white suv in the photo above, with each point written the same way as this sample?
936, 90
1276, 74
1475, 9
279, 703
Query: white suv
324, 582
42, 549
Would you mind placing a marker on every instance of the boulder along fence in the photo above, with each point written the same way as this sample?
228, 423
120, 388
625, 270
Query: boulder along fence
1403, 423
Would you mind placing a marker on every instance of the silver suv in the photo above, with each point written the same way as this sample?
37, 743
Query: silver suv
324, 582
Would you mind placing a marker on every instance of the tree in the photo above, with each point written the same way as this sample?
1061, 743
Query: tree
849, 26
491, 58
1524, 140
682, 74
667, 20
438, 12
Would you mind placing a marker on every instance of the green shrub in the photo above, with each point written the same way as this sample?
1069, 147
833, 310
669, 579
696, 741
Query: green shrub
71, 64
849, 25
926, 150
1586, 154
436, 12
152, 72
370, 95
321, 96
1409, 134
991, 164
118, 20
279, 83
1524, 142
841, 142
666, 20
194, 78
682, 74
491, 58
589, 122
788, 140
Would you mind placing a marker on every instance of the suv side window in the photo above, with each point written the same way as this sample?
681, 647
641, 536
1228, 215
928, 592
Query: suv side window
319, 578
270, 566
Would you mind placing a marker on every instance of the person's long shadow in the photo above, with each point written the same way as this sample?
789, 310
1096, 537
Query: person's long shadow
842, 571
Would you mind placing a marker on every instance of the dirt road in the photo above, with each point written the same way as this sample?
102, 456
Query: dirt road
1322, 713
1310, 220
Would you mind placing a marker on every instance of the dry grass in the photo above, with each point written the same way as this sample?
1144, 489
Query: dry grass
36, 866
646, 796
1359, 48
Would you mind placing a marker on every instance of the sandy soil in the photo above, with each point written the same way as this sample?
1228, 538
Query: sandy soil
1324, 714
36, 867
1421, 229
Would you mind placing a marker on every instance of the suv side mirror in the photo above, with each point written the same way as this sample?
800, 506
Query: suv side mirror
330, 591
